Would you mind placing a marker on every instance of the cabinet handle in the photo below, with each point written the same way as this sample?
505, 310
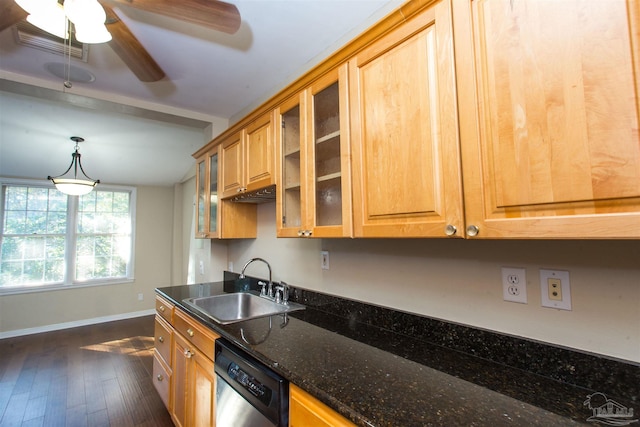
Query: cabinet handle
161, 339
450, 230
190, 332
161, 308
472, 230
188, 354
160, 377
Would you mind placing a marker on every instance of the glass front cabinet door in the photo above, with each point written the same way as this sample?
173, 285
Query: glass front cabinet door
313, 161
207, 218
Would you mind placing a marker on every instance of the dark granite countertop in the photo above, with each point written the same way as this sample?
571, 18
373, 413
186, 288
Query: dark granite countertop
376, 377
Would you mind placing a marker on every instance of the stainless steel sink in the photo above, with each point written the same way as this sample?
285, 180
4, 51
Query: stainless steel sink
236, 307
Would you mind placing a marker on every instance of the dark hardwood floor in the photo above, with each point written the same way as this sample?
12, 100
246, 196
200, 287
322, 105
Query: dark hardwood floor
98, 375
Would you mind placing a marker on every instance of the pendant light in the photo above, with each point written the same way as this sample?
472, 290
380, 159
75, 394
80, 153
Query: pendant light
74, 186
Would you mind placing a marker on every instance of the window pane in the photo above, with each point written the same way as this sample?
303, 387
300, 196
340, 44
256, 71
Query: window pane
38, 199
16, 198
15, 222
36, 222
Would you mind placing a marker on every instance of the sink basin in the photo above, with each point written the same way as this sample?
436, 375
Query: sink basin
236, 307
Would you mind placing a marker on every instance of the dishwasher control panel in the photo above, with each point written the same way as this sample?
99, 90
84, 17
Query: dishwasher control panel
250, 383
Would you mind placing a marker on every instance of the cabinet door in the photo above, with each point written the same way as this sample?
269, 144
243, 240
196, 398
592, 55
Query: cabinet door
179, 396
291, 174
232, 164
201, 197
549, 121
259, 157
328, 156
307, 411
202, 390
213, 217
406, 167
207, 215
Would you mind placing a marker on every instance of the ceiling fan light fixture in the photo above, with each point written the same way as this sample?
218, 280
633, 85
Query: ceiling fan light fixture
92, 34
84, 12
48, 16
74, 186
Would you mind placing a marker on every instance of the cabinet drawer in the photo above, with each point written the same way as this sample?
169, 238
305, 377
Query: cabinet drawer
161, 378
164, 309
195, 333
163, 339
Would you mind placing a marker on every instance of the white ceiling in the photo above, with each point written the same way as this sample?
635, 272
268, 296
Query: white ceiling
212, 78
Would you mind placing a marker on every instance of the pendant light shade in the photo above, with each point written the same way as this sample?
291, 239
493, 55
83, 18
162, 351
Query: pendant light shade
74, 186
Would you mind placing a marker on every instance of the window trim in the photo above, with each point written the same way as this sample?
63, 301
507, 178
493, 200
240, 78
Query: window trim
70, 241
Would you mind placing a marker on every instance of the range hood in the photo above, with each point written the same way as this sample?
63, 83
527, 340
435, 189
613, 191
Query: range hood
264, 195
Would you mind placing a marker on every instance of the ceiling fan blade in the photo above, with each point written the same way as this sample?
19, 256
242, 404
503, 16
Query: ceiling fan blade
10, 14
219, 15
130, 50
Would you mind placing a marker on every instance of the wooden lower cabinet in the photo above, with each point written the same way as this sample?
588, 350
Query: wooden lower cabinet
307, 411
183, 369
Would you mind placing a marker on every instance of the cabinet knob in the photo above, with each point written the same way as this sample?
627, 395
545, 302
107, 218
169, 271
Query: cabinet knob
307, 233
161, 339
300, 233
188, 354
160, 377
472, 230
450, 230
161, 308
190, 332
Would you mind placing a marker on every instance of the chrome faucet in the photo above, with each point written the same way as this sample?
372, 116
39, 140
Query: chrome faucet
270, 285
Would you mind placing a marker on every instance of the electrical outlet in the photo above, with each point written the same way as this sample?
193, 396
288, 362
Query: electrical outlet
514, 285
140, 297
555, 289
324, 260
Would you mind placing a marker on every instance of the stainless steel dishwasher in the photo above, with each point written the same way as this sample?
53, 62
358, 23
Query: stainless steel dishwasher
248, 393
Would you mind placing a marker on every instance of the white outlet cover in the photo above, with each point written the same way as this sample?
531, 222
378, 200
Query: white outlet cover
514, 285
545, 275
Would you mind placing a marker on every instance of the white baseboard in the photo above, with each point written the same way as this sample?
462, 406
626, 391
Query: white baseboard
67, 325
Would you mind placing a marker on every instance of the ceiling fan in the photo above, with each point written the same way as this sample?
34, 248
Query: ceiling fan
214, 14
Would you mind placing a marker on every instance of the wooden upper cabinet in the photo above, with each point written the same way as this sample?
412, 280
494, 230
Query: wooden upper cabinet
313, 163
407, 179
259, 155
248, 158
232, 163
216, 218
549, 115
207, 212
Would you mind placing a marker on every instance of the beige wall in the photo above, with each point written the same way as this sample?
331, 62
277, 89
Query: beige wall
153, 254
460, 281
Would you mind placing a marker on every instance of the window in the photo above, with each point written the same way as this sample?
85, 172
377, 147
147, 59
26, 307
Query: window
49, 239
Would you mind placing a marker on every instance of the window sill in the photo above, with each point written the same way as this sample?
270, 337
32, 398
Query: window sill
60, 287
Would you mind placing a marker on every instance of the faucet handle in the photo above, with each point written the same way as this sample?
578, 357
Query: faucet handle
262, 285
284, 287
